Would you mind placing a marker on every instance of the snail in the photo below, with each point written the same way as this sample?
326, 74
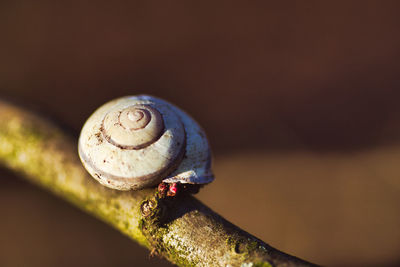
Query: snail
135, 142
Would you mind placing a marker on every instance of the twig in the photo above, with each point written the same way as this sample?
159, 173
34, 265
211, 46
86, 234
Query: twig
183, 230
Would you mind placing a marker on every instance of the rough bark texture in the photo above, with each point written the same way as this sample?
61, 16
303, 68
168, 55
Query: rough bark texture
183, 230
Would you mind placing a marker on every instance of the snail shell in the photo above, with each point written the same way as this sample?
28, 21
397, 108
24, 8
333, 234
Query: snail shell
139, 141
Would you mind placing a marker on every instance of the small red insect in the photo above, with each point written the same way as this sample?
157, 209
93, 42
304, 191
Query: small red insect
169, 190
163, 189
173, 190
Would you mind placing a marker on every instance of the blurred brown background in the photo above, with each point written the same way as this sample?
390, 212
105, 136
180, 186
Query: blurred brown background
299, 100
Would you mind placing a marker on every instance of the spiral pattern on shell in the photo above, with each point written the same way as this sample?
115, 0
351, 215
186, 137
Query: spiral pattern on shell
134, 127
138, 141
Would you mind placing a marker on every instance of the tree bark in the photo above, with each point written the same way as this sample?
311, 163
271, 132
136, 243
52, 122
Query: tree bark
181, 229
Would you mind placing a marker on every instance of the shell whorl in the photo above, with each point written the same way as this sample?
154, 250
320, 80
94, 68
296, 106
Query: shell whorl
134, 127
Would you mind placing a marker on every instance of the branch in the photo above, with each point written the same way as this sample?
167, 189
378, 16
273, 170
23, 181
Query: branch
183, 230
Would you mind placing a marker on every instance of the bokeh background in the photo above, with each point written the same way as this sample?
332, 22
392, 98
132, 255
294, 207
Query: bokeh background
300, 100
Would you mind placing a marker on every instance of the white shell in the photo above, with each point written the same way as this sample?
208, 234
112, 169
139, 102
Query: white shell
138, 141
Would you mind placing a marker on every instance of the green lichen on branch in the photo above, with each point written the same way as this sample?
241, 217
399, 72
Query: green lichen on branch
182, 229
47, 157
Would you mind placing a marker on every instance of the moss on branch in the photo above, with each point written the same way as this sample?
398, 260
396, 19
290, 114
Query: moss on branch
183, 230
